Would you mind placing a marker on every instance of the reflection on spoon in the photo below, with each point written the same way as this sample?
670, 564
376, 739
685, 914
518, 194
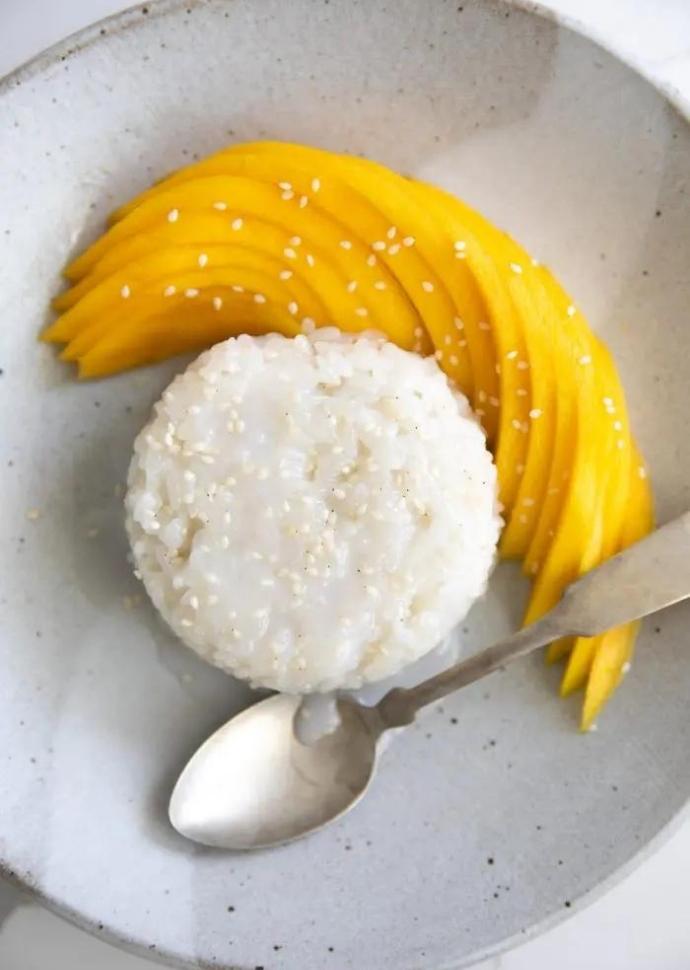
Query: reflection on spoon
316, 716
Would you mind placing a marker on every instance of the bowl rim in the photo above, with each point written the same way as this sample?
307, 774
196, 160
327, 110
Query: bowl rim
129, 19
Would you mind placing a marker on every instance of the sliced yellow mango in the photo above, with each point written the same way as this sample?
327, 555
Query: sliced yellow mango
616, 647
273, 236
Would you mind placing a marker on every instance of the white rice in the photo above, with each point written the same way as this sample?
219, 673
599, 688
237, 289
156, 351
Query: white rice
314, 513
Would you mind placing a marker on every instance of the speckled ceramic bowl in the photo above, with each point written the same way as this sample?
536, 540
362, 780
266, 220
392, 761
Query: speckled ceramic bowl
492, 816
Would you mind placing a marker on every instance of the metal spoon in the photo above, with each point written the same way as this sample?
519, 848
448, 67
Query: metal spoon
254, 785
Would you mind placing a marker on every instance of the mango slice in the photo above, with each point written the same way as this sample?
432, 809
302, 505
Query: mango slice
274, 236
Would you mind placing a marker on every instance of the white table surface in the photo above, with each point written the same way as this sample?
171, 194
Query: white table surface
643, 923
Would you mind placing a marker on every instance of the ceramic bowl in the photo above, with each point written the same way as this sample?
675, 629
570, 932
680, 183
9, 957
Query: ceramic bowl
493, 817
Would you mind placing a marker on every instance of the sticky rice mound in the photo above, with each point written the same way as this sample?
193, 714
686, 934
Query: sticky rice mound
312, 513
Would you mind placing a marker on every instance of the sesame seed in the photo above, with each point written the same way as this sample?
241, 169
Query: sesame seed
194, 602
459, 245
220, 206
458, 324
237, 289
480, 412
202, 260
308, 325
521, 392
409, 241
310, 259
511, 355
535, 262
481, 396
285, 274
462, 343
345, 244
362, 311
185, 622
641, 471
379, 285
571, 311
170, 291
448, 340
378, 246
293, 308
217, 303
125, 292
287, 195
625, 669
607, 402
535, 413
516, 424
522, 365
494, 401
173, 215
237, 224
351, 286
289, 253
617, 425
33, 515
515, 267
394, 249
285, 186
528, 502
439, 355
620, 444
584, 360
522, 519
453, 360
427, 286
371, 260
303, 200
483, 325
259, 298
191, 292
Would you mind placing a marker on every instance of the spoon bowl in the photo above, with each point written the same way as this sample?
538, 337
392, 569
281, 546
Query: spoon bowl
253, 784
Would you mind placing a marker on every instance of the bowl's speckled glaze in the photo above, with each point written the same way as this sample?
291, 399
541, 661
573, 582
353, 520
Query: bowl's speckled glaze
493, 814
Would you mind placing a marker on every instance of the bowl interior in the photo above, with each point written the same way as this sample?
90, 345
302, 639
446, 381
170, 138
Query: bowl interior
492, 814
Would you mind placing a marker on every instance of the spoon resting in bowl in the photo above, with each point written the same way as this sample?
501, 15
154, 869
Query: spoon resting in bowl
253, 784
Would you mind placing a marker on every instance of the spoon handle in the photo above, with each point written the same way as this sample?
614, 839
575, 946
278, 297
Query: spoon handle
648, 576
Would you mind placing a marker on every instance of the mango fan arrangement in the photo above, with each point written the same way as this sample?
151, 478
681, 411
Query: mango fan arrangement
271, 236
